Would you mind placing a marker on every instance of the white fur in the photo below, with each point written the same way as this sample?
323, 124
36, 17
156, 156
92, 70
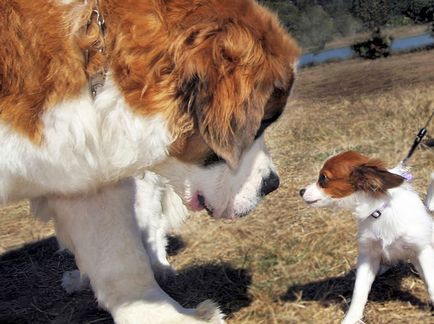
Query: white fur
227, 193
403, 231
86, 145
157, 209
76, 174
103, 231
430, 195
142, 210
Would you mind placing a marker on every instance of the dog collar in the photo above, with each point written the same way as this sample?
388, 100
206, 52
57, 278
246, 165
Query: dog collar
97, 79
404, 171
407, 175
379, 211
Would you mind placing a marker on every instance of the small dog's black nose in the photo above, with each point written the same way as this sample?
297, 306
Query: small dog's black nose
302, 191
269, 184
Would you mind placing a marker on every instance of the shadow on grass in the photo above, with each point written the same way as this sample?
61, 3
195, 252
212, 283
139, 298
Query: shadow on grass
175, 244
336, 290
30, 290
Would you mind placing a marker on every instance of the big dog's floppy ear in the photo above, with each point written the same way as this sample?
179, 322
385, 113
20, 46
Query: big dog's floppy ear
226, 71
372, 177
227, 125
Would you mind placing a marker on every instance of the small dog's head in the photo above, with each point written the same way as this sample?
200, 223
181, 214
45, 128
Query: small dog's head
346, 174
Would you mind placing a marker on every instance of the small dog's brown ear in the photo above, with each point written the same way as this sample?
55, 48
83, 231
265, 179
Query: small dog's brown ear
372, 177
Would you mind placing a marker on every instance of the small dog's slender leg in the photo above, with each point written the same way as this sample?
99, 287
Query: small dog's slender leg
429, 202
153, 224
155, 242
426, 260
367, 268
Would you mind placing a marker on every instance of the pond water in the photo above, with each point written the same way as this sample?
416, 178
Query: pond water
344, 53
409, 43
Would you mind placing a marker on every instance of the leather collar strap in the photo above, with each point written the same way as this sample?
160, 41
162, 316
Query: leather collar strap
96, 80
379, 211
403, 172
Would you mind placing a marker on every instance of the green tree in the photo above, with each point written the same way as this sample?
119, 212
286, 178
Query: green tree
315, 27
373, 13
346, 24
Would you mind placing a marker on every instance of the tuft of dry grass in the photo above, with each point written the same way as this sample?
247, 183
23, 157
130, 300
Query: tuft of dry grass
17, 226
285, 263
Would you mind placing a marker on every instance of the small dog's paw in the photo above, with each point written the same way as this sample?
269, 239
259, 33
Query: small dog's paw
352, 321
73, 281
208, 311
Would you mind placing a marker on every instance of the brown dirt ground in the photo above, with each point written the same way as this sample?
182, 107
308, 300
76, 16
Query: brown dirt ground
285, 263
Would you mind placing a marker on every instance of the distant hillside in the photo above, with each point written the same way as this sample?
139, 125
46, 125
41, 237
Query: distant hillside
315, 22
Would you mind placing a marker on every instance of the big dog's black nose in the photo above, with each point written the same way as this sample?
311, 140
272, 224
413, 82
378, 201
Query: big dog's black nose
269, 184
302, 191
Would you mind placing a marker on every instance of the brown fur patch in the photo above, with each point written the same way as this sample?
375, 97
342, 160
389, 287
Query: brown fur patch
39, 62
374, 178
208, 66
348, 172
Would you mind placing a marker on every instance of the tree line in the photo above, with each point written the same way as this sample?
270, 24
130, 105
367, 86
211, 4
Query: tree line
315, 22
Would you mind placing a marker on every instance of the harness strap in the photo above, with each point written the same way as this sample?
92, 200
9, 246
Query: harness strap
418, 139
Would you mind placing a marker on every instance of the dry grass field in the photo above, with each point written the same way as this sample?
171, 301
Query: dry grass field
286, 262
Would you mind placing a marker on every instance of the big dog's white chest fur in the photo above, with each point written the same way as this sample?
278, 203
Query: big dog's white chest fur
86, 144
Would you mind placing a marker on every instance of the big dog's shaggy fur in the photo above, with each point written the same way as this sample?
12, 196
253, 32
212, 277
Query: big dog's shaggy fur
190, 87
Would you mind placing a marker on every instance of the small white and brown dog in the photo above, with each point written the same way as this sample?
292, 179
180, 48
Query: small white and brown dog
393, 223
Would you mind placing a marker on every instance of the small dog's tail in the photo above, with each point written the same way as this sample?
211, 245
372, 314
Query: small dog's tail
429, 202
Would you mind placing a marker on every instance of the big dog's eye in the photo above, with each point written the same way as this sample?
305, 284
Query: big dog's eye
212, 159
274, 106
322, 180
265, 123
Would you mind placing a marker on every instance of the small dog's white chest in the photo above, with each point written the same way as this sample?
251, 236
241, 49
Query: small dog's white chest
391, 251
398, 250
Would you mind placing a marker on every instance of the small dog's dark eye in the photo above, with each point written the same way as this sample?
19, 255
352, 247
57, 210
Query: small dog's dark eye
211, 159
322, 181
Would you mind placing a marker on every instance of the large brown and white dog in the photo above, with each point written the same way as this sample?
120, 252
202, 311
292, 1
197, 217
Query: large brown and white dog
189, 88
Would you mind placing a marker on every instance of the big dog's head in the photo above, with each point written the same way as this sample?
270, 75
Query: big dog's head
220, 72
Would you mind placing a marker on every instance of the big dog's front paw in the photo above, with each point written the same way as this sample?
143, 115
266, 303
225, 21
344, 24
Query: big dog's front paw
166, 311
